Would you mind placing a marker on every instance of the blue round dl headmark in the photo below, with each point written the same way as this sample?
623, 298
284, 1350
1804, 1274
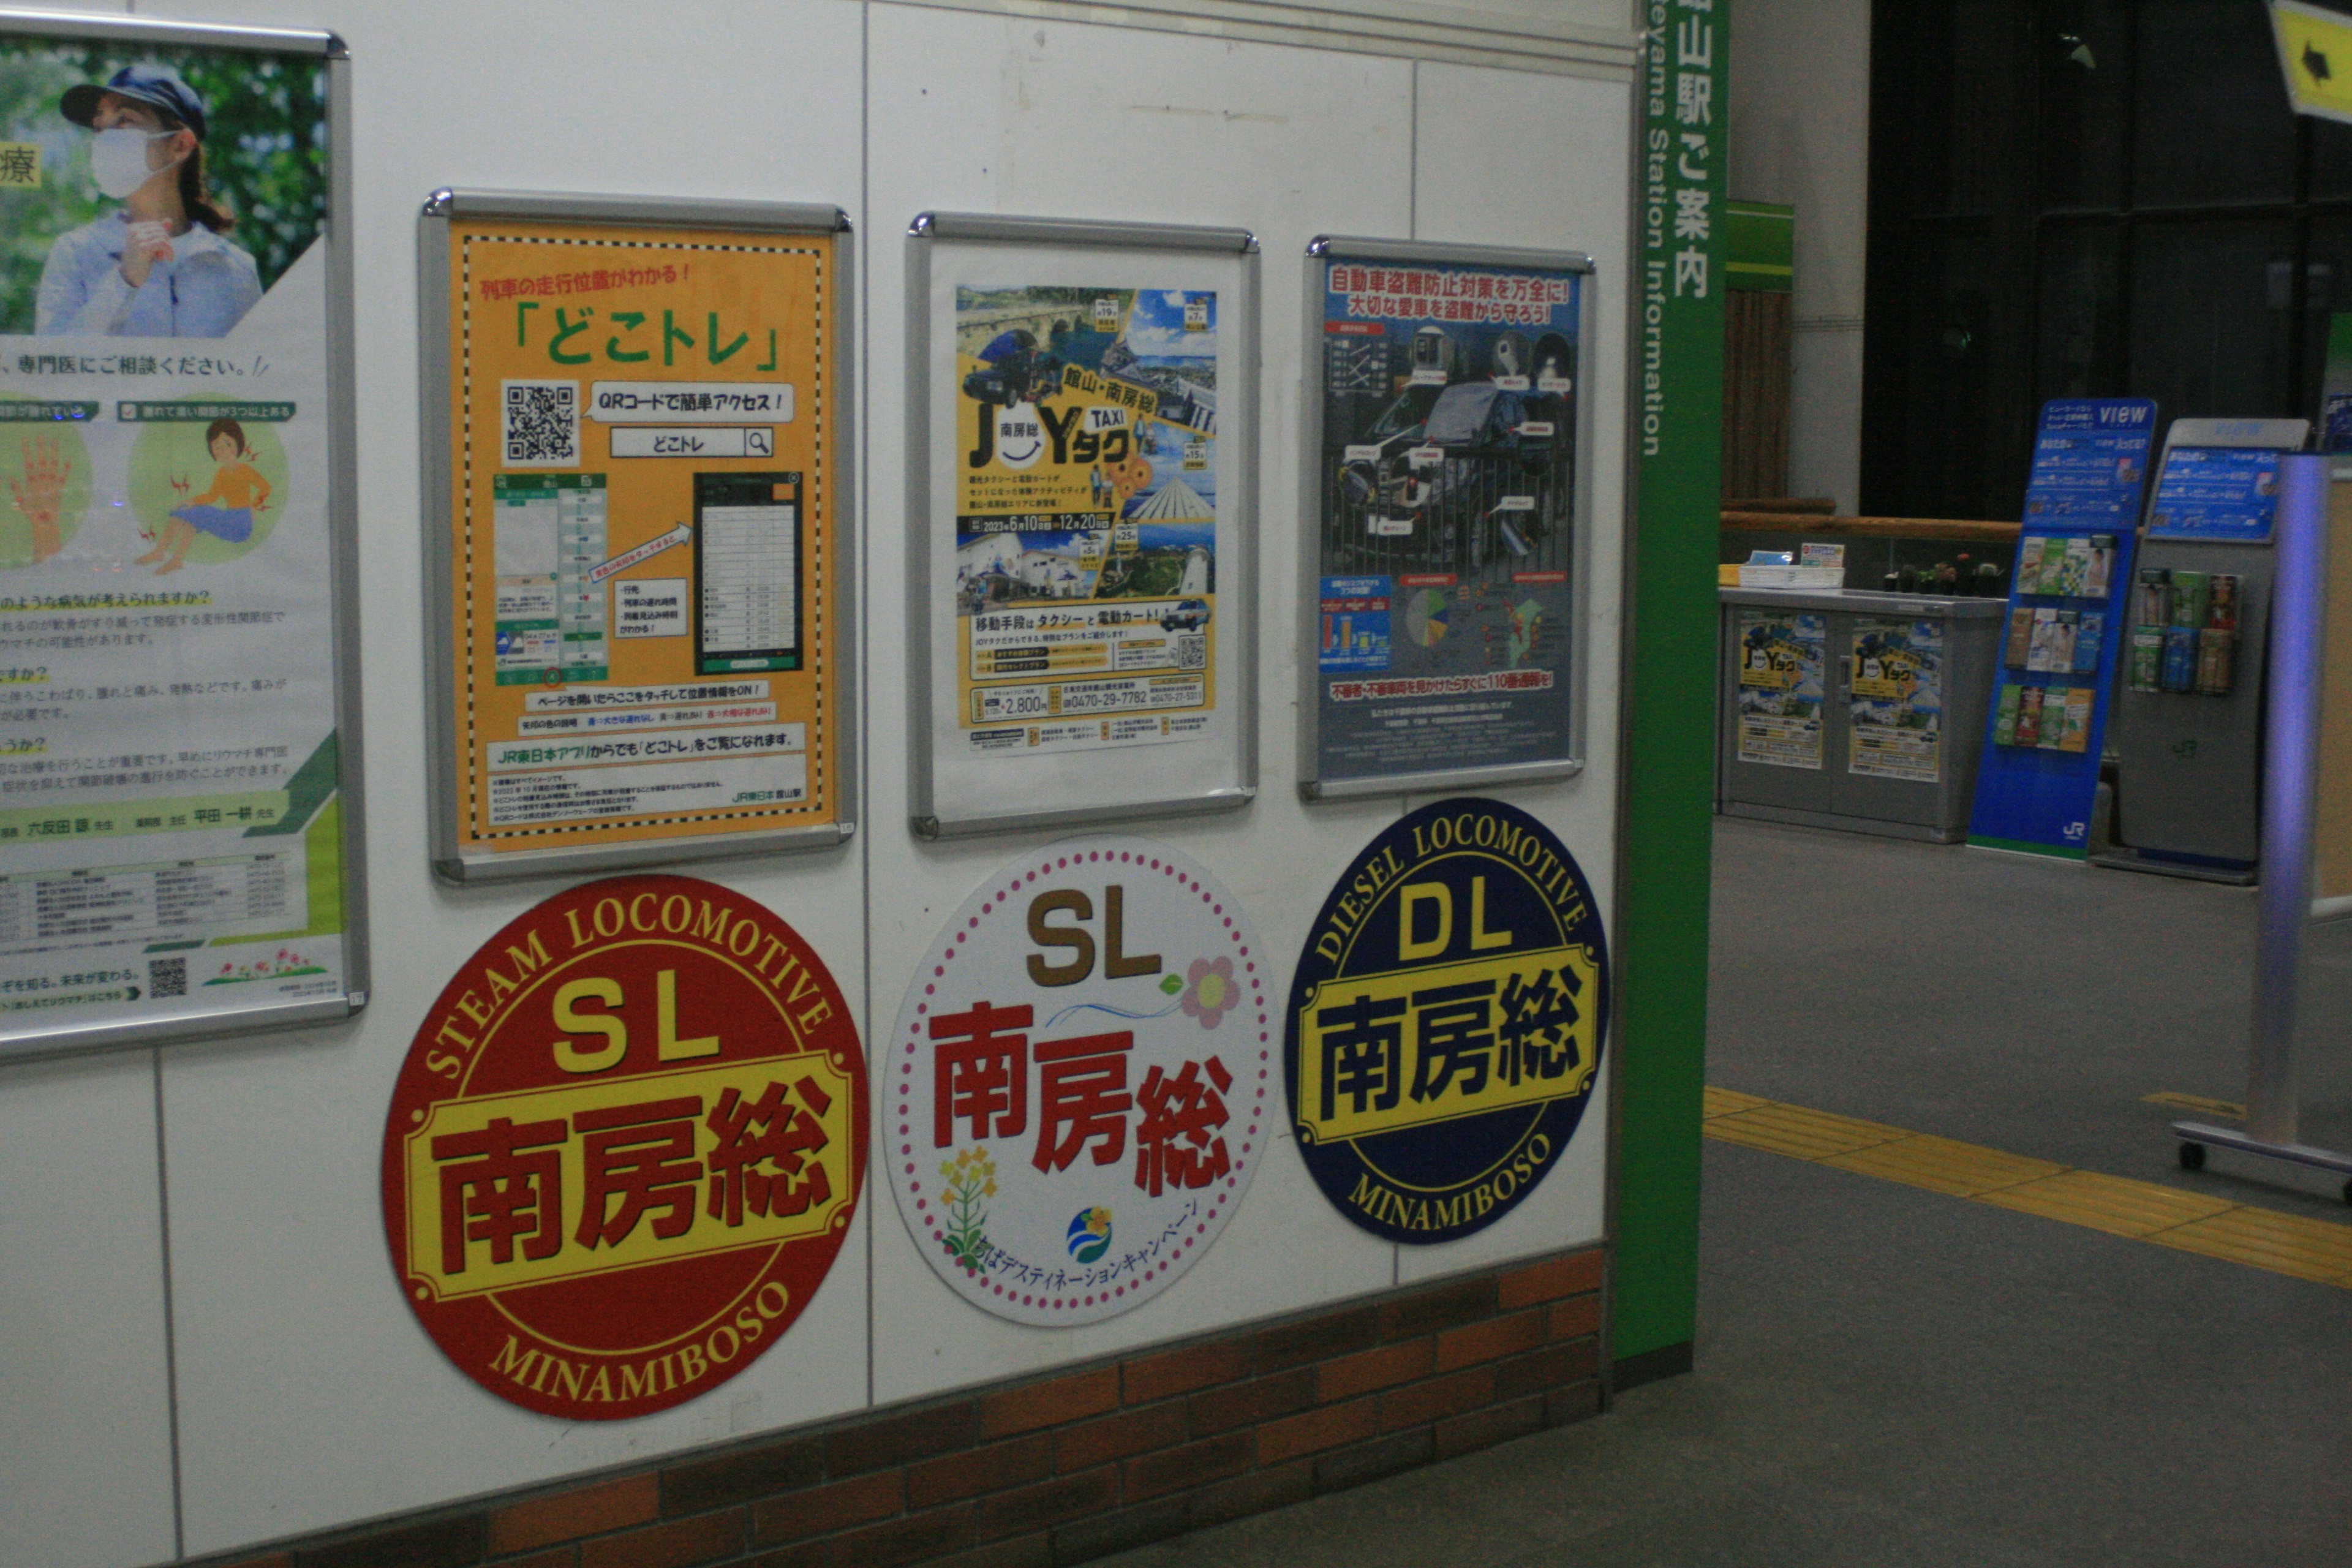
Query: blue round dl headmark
1445, 1021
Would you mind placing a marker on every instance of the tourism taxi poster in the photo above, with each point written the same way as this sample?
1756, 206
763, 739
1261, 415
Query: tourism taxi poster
644, 493
1780, 684
1085, 517
172, 833
1896, 710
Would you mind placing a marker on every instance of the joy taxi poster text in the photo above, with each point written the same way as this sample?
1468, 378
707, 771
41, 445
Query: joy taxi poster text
1086, 516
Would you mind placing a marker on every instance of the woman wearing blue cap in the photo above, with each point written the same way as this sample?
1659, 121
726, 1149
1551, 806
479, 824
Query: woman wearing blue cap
158, 266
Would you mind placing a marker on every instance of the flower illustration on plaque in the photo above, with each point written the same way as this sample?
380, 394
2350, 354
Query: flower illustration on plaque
971, 1176
1210, 991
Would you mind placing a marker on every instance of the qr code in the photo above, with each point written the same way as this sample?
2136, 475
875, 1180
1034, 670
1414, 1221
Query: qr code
542, 422
1192, 650
167, 977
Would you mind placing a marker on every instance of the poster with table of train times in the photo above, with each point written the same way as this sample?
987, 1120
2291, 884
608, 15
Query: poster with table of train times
1085, 520
643, 493
1781, 674
172, 844
1444, 566
1896, 708
1081, 393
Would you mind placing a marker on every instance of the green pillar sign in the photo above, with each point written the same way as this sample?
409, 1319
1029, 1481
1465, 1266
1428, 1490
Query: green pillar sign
1678, 446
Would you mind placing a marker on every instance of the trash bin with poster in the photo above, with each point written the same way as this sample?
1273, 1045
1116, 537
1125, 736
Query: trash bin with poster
1861, 711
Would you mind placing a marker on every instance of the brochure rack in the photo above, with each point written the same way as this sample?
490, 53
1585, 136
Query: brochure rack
2290, 790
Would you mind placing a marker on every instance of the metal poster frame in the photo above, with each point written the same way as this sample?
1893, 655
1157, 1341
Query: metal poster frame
1237, 662
449, 862
342, 542
1324, 248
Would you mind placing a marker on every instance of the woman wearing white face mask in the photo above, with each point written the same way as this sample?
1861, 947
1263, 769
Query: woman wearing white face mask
158, 266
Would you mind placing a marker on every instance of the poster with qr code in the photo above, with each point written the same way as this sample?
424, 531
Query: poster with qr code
1084, 501
641, 478
174, 850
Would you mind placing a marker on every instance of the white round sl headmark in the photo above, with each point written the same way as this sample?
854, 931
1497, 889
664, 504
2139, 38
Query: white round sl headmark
1079, 1083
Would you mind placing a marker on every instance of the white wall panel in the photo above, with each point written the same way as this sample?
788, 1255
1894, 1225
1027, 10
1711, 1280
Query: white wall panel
84, 1393
85, 1385
309, 1394
1505, 158
980, 113
1588, 38
1825, 409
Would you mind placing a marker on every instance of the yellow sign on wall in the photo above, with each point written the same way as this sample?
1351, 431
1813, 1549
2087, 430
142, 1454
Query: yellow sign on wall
2315, 53
643, 614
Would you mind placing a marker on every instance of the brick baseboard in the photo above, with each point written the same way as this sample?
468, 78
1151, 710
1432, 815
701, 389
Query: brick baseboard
1073, 1465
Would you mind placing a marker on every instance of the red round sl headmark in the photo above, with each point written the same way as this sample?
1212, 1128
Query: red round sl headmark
625, 1147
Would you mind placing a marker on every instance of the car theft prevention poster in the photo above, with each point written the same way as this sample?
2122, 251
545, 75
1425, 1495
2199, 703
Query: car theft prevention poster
1447, 475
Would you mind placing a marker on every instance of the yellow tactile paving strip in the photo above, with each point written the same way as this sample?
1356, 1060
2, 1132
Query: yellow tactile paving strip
2179, 1102
1963, 1170
2147, 1211
2116, 1205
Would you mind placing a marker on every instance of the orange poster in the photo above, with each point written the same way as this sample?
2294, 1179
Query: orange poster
644, 628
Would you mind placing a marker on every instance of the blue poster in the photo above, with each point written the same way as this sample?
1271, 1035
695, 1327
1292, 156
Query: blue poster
1447, 475
2056, 657
1355, 624
2089, 458
2227, 493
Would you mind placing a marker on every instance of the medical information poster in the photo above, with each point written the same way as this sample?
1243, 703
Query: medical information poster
1447, 471
641, 603
1085, 517
171, 827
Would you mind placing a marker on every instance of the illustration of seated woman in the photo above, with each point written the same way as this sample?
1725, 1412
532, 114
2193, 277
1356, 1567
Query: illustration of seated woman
160, 266
225, 511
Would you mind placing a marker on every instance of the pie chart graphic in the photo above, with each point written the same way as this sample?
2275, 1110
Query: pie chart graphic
1424, 616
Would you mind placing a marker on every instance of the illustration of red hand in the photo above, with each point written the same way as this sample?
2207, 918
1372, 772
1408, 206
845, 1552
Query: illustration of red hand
39, 491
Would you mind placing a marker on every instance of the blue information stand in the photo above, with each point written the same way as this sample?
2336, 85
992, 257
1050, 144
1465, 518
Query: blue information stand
2047, 722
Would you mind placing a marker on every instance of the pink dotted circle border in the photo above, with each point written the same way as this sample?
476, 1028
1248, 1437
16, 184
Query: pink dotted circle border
924, 1220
